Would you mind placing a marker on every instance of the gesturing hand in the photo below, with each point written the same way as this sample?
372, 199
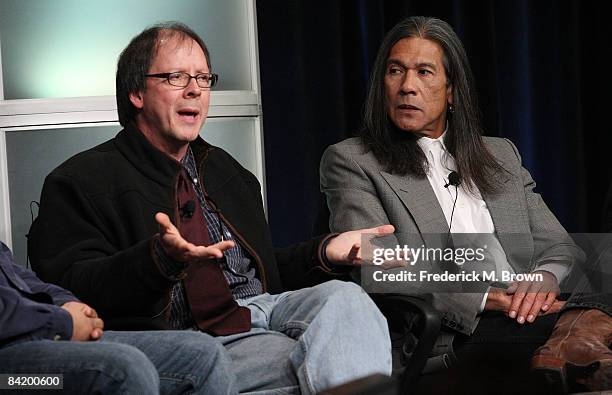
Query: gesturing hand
180, 249
345, 249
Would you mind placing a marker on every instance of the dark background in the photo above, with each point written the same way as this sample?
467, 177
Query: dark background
542, 75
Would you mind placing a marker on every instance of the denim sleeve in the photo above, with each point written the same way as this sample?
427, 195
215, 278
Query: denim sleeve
21, 318
58, 294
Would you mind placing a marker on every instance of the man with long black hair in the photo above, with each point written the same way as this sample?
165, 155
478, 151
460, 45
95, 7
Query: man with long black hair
422, 165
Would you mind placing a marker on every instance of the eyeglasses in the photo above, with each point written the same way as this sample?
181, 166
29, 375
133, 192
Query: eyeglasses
180, 79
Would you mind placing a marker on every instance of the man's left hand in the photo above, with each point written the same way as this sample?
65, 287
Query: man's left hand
179, 249
529, 298
345, 249
86, 320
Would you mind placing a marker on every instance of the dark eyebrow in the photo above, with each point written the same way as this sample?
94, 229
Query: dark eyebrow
392, 61
397, 62
426, 64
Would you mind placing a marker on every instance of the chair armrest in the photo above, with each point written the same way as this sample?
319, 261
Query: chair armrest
417, 315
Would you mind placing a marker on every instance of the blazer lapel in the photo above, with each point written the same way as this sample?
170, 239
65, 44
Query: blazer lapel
420, 200
511, 222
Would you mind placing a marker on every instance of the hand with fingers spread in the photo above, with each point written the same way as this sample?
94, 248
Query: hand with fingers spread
181, 250
346, 248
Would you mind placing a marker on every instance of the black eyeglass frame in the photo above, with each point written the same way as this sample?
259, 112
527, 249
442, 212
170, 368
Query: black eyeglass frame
212, 77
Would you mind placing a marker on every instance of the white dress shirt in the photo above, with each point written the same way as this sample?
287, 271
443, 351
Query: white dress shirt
471, 214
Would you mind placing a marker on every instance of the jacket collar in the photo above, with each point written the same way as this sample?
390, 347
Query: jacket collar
152, 162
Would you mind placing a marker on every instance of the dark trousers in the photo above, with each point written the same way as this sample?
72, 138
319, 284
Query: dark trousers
496, 357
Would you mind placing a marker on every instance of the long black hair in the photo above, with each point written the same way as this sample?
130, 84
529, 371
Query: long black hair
397, 150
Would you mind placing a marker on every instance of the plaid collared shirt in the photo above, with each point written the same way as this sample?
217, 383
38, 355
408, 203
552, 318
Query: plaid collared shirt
236, 264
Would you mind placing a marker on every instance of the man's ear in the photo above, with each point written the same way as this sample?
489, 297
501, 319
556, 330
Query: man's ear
449, 95
137, 100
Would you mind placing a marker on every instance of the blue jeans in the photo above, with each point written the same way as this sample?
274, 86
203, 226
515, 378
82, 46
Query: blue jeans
309, 340
152, 362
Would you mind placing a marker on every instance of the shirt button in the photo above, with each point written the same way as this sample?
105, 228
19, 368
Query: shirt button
195, 180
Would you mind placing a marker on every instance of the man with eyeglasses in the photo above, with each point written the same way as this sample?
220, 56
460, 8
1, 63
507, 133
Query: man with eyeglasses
158, 223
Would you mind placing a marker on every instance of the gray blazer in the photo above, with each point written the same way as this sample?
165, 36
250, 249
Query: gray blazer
360, 194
